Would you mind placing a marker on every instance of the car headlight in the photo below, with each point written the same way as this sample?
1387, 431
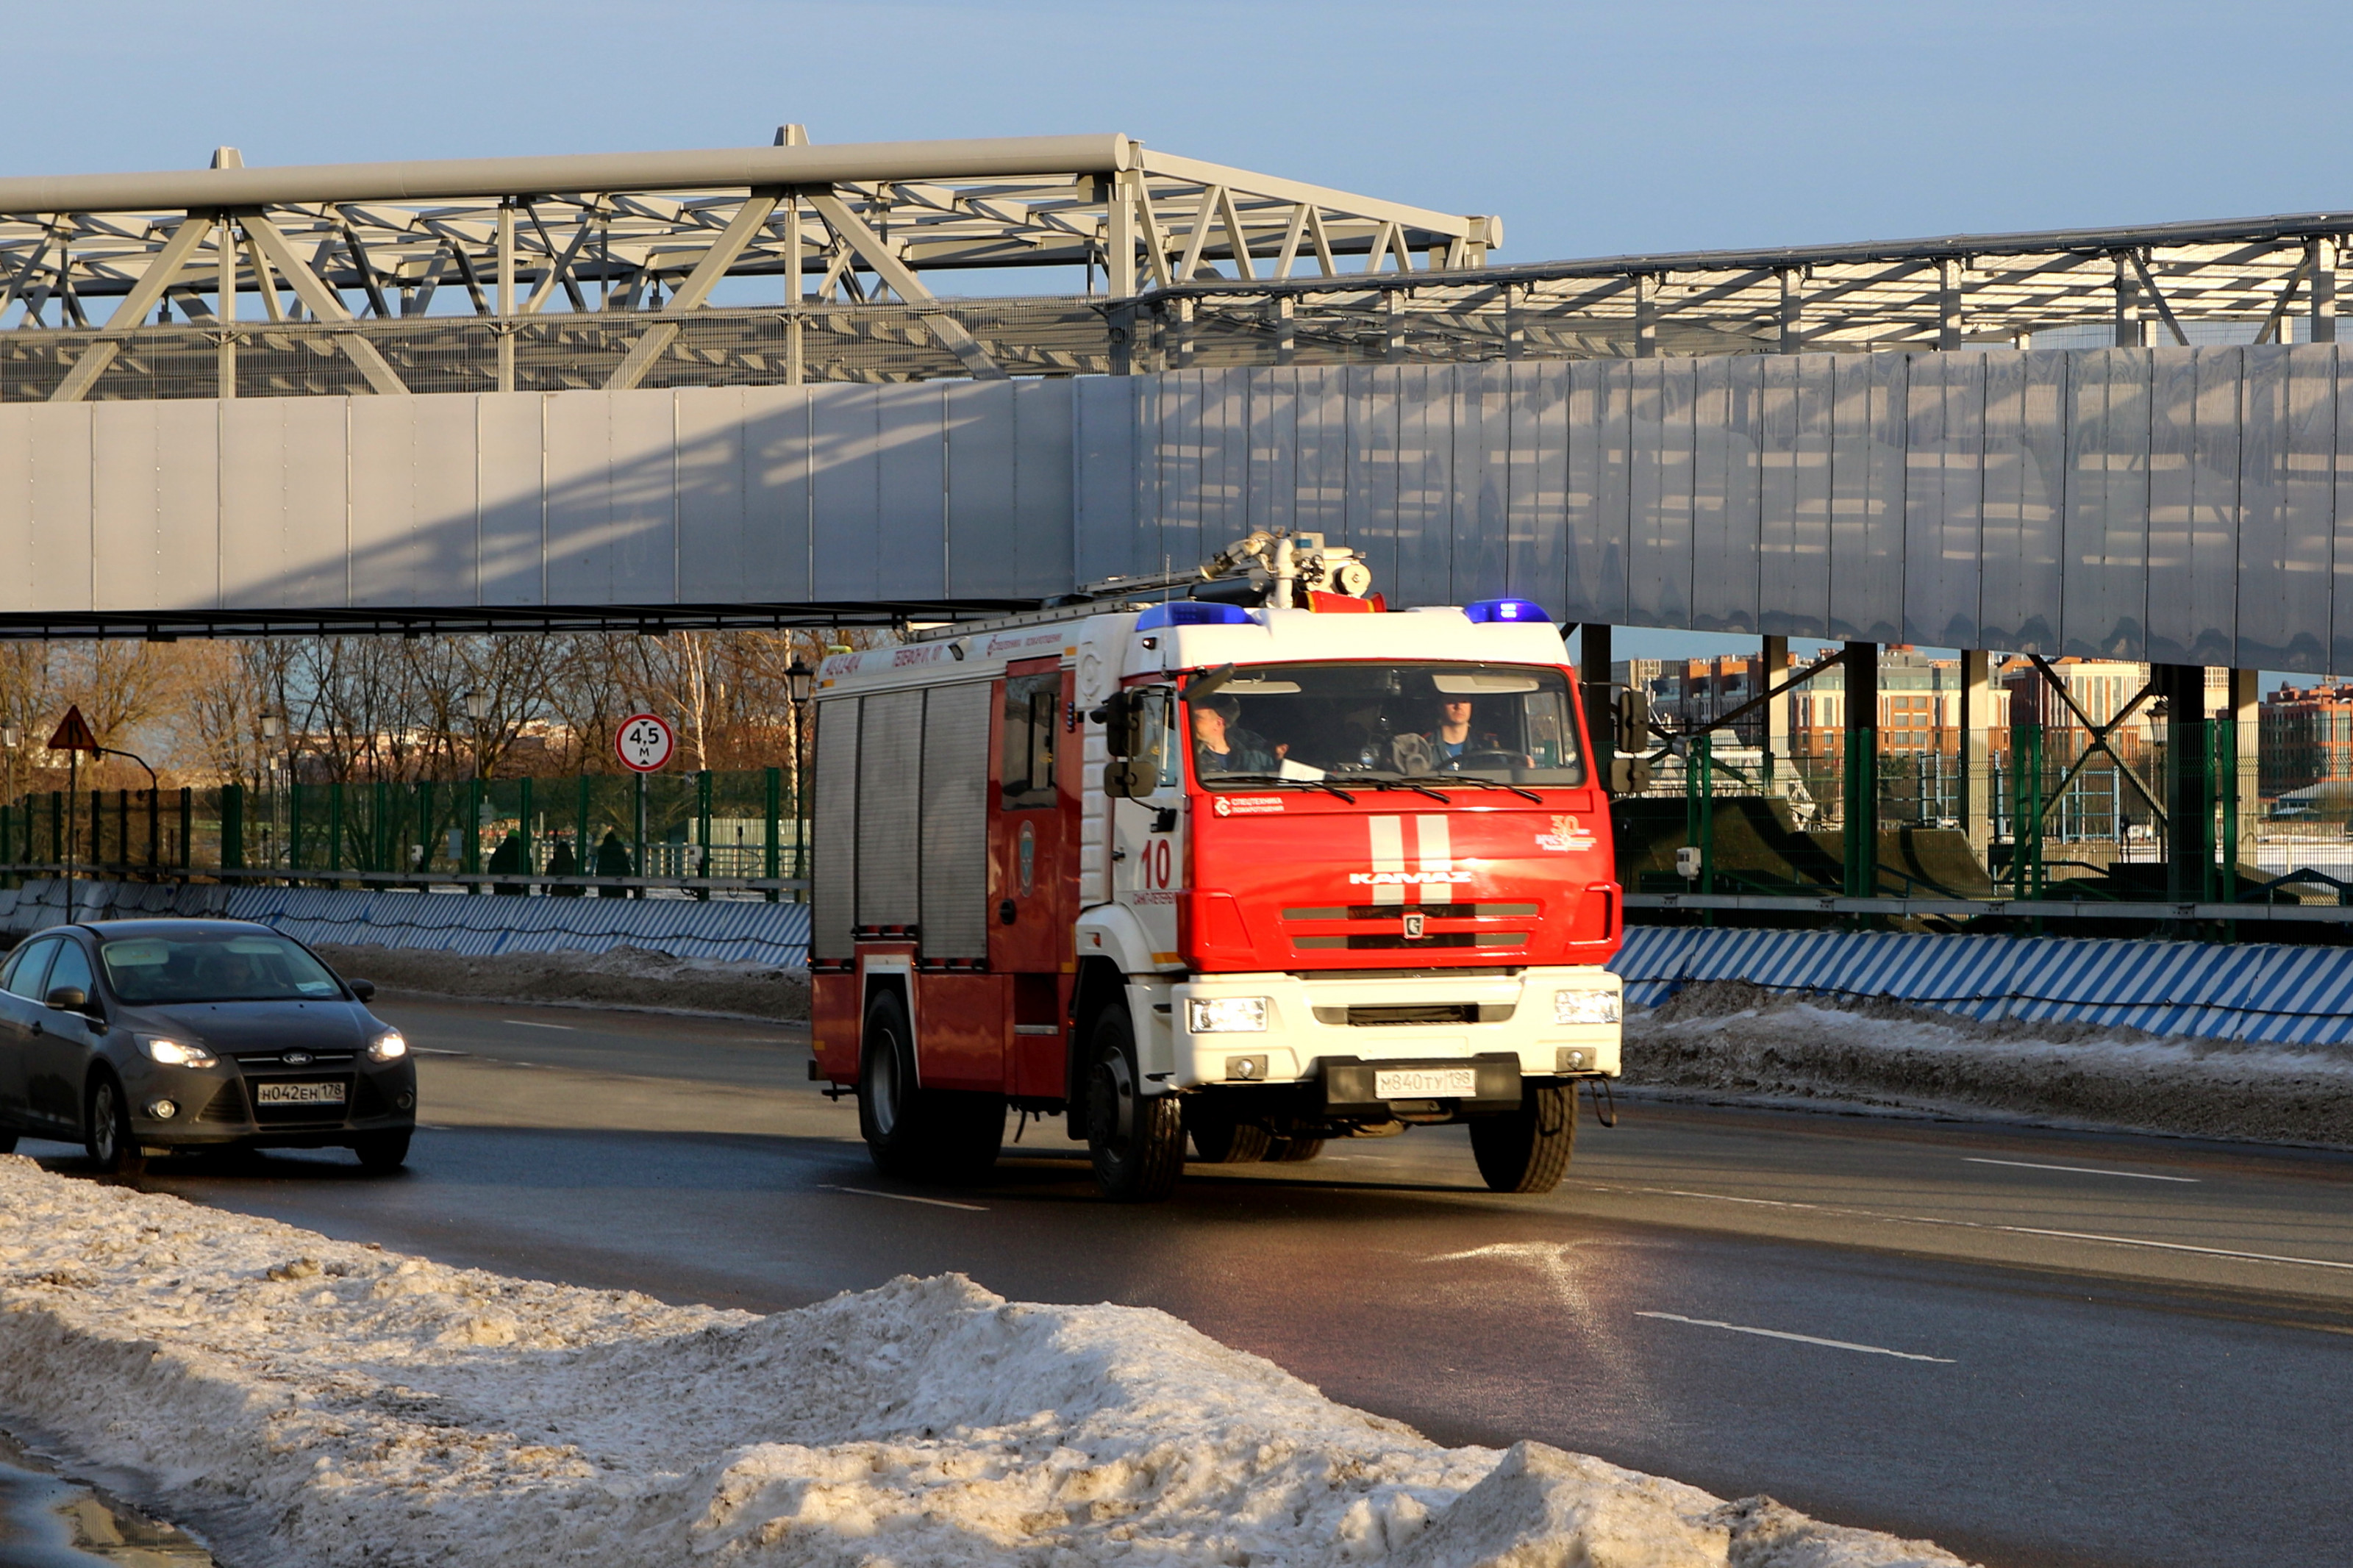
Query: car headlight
1585, 1006
1226, 1014
176, 1053
388, 1047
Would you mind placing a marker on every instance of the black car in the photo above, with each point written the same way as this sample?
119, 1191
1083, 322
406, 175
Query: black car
134, 1037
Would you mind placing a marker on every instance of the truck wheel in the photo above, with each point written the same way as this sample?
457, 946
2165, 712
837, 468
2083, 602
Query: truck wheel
1137, 1139
918, 1134
1220, 1139
1528, 1150
1295, 1151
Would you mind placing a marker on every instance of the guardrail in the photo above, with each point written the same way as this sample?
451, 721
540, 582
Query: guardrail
468, 880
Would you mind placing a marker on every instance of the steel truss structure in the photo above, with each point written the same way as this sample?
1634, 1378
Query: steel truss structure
2243, 280
600, 265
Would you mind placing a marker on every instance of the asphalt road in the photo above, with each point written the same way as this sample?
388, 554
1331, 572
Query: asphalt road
2036, 1348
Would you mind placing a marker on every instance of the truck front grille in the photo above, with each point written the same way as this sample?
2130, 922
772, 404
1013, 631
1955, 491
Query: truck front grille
1393, 1015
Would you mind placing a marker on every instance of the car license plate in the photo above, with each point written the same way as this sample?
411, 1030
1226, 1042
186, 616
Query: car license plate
1426, 1083
298, 1094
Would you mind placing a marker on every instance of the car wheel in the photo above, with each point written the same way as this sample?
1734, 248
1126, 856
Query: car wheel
1137, 1139
7, 1143
106, 1120
1528, 1150
381, 1152
1295, 1151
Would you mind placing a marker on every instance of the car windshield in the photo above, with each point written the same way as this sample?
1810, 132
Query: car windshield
215, 966
1301, 722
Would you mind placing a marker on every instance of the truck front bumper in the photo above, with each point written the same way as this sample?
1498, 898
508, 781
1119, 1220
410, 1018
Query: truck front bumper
1376, 1018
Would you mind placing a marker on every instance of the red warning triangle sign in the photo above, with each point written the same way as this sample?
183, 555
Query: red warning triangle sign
73, 733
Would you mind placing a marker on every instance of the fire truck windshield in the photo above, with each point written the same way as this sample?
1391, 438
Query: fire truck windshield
1303, 723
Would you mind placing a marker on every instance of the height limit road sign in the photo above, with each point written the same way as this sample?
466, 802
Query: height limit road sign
645, 743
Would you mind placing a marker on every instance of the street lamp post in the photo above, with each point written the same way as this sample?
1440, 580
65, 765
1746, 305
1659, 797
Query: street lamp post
477, 703
272, 729
800, 680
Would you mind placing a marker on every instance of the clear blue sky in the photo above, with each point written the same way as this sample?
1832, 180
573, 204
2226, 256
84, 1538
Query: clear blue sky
1593, 129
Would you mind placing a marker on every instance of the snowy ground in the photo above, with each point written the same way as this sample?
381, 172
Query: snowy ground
1731, 1038
310, 1401
621, 977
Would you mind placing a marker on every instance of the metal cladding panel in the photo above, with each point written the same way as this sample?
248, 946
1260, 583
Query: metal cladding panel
1723, 492
2025, 487
123, 521
984, 520
1271, 498
510, 446
1428, 410
1595, 515
954, 826
643, 559
1866, 531
1319, 418
1150, 478
1944, 499
2340, 599
1663, 398
414, 512
1045, 486
2172, 485
1184, 437
833, 829
1107, 438
1795, 497
718, 559
846, 502
911, 543
1534, 517
890, 757
779, 542
2307, 457
284, 539
59, 565
20, 540
1373, 444
1480, 549
580, 521
2107, 603
1225, 455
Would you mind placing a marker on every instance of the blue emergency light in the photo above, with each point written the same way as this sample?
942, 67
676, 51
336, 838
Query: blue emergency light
1487, 610
1194, 613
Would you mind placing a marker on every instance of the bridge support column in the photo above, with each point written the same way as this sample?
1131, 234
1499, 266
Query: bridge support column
1773, 733
1976, 775
2246, 782
1861, 780
1600, 714
2189, 782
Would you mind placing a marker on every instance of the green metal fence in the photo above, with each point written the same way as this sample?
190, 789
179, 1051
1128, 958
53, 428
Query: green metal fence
696, 826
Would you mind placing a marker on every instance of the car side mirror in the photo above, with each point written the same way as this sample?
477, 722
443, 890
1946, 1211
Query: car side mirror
68, 999
1121, 717
1129, 778
362, 989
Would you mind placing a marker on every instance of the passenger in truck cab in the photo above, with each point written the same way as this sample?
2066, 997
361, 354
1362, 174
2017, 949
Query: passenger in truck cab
1221, 745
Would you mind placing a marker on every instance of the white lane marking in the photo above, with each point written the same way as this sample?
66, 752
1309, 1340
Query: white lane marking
527, 1024
905, 1198
1802, 1338
438, 1051
1981, 1224
2078, 1170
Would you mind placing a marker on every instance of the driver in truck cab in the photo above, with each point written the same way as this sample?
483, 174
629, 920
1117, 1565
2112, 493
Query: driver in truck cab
1221, 745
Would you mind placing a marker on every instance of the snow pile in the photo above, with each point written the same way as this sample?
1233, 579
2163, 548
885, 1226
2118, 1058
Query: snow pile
623, 976
1729, 1036
307, 1401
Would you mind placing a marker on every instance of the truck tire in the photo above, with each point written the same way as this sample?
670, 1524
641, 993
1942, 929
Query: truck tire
915, 1133
1528, 1150
1220, 1139
1137, 1139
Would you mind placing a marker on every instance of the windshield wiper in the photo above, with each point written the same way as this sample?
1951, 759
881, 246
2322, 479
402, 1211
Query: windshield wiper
1480, 783
1409, 784
1323, 785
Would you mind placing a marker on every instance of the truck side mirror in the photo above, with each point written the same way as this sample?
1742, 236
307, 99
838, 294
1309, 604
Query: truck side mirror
1121, 717
1634, 720
1130, 778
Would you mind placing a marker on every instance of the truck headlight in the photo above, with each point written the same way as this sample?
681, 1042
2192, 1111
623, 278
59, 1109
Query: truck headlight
1585, 1006
174, 1053
388, 1047
1226, 1014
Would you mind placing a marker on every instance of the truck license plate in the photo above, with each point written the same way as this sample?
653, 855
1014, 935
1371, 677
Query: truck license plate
1426, 1083
298, 1094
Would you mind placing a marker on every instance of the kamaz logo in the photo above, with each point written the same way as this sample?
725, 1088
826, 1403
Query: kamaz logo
1405, 879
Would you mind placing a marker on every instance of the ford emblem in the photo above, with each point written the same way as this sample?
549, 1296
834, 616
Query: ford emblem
296, 1059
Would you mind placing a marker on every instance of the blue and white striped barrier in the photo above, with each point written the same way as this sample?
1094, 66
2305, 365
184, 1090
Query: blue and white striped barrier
731, 929
2253, 991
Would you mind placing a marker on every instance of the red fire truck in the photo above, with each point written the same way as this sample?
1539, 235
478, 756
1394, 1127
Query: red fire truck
1260, 867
